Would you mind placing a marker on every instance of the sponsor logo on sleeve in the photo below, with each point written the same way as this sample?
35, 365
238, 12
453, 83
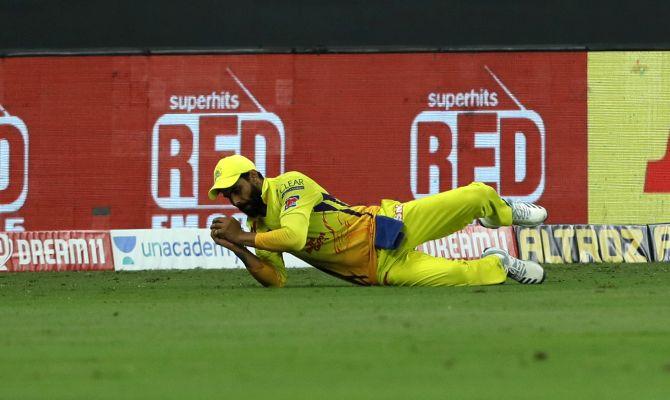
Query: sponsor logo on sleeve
291, 202
290, 186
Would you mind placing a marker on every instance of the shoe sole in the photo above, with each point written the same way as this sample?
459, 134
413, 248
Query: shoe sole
530, 281
530, 225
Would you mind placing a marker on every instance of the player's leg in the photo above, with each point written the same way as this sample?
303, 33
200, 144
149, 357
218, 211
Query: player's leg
523, 214
414, 268
527, 272
441, 214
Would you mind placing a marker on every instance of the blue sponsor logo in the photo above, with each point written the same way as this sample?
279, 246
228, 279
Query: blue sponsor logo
126, 244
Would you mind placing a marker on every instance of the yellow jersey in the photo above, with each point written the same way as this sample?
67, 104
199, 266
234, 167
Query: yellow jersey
324, 231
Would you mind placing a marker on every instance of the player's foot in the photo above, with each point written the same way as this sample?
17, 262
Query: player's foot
527, 272
523, 214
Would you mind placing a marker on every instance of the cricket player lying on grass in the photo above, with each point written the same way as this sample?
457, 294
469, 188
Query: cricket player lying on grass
365, 245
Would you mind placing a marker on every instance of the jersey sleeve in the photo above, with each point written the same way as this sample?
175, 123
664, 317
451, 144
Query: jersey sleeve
297, 200
271, 258
275, 260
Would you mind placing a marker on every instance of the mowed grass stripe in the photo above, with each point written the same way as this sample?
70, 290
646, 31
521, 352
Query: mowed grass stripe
592, 331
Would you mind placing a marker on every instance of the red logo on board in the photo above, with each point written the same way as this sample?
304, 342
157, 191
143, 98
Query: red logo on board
657, 179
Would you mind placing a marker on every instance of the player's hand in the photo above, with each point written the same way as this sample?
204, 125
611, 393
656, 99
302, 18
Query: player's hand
227, 244
228, 229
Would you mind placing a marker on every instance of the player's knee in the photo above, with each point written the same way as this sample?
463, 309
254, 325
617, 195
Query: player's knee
478, 194
482, 189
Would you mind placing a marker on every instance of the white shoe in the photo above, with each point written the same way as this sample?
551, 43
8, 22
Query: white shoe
523, 214
527, 272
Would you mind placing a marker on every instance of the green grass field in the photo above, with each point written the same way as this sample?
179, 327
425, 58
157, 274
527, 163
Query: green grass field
590, 332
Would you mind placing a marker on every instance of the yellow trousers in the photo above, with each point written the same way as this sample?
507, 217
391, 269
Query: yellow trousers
434, 217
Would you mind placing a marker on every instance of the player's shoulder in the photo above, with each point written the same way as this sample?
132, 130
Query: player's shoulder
293, 179
294, 183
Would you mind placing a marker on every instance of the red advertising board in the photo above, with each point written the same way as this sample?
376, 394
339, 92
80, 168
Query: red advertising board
470, 242
131, 141
55, 251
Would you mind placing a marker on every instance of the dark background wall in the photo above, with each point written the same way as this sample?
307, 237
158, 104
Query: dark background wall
307, 26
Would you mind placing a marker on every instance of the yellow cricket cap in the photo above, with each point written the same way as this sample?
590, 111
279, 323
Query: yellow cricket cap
227, 172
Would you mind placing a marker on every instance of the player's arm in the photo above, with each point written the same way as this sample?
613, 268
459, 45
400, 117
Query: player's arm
290, 237
297, 206
269, 271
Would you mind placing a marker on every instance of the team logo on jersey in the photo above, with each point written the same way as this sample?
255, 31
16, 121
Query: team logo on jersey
291, 202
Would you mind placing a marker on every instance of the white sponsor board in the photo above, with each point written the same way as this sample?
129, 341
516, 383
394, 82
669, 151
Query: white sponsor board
184, 248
